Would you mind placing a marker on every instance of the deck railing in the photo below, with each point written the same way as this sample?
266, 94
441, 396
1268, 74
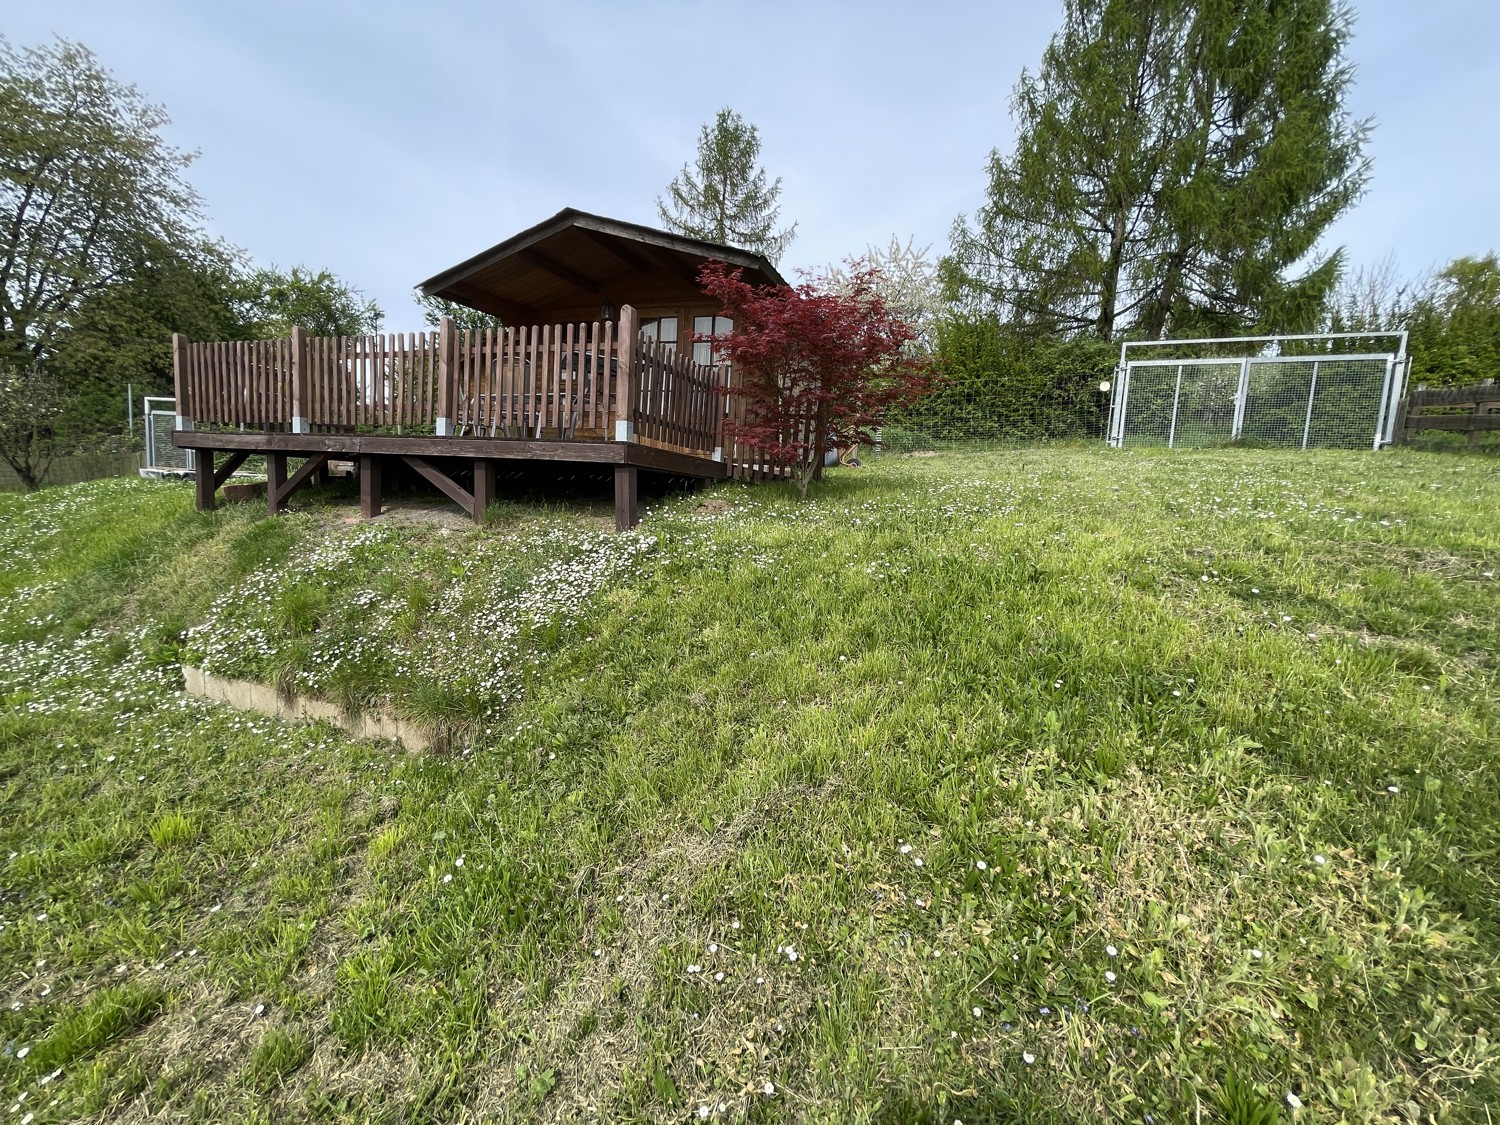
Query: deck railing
377, 382
530, 380
678, 402
567, 382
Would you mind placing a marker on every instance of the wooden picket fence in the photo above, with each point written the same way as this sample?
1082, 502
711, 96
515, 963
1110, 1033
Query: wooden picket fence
1473, 410
678, 402
525, 381
567, 382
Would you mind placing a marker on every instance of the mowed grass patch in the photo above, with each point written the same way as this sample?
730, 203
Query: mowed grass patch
1046, 785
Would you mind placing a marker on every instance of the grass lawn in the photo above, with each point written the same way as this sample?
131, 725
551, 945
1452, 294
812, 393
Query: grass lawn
1051, 785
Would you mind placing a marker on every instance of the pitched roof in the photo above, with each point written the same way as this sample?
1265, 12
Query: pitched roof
575, 257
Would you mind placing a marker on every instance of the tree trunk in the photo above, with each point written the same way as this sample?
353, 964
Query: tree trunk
802, 474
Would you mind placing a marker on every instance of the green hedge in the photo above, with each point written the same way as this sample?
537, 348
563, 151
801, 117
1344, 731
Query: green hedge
999, 386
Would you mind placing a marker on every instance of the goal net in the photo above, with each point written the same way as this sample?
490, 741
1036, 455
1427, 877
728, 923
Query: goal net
1328, 391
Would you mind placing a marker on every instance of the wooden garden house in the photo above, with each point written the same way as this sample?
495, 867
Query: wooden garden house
597, 365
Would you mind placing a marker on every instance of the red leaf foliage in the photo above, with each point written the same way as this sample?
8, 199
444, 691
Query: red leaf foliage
816, 369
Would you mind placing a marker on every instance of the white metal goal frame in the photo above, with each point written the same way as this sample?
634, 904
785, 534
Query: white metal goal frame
1314, 390
159, 413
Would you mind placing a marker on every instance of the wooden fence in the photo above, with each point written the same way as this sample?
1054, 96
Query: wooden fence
237, 382
330, 382
1473, 410
521, 382
559, 381
378, 382
678, 402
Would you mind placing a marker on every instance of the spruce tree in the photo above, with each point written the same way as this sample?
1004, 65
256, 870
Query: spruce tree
726, 198
1175, 167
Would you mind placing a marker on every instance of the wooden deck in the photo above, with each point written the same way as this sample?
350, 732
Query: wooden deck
448, 403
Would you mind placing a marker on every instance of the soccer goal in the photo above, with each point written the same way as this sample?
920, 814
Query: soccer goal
162, 457
1334, 390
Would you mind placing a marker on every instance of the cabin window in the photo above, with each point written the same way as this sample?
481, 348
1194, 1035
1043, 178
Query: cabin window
703, 351
663, 328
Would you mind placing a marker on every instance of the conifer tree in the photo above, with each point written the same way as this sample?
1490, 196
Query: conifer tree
1175, 167
726, 198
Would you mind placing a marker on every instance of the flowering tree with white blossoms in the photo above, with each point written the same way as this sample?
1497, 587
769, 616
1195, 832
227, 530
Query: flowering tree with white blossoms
906, 280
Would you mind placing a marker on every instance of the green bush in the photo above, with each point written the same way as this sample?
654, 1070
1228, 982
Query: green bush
999, 385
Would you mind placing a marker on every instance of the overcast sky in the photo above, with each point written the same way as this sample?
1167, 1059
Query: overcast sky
388, 141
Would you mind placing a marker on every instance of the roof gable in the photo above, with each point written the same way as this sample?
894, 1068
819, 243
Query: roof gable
574, 259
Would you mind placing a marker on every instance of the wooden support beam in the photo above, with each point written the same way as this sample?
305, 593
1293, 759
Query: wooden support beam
615, 247
207, 480
1472, 422
443, 483
204, 482
484, 486
226, 470
369, 485
277, 497
512, 312
627, 497
275, 481
183, 407
674, 263
347, 446
447, 403
558, 270
301, 383
622, 424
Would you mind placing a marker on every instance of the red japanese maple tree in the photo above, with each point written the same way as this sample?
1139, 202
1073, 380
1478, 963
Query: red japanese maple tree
816, 369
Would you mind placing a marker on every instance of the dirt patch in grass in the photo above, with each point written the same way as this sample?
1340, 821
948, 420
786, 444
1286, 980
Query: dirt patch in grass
410, 513
713, 506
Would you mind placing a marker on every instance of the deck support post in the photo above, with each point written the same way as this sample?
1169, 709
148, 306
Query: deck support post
207, 479
626, 497
484, 486
369, 485
204, 485
275, 482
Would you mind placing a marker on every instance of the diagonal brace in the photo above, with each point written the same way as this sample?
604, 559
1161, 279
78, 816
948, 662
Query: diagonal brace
226, 470
443, 482
279, 495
